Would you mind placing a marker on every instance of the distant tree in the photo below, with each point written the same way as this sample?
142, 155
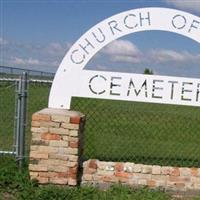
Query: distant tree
148, 71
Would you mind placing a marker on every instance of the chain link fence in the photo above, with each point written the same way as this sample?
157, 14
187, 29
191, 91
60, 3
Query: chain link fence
38, 91
7, 114
141, 132
117, 130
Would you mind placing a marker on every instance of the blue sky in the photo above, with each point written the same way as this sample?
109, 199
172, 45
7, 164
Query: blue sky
37, 34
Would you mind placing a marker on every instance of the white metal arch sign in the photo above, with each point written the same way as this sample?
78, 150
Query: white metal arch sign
72, 81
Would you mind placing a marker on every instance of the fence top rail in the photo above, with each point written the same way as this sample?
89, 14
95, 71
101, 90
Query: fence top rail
40, 81
30, 80
13, 69
9, 79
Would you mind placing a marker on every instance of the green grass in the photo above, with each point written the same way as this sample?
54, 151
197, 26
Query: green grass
118, 130
16, 185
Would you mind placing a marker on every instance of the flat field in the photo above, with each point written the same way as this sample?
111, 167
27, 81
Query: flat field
118, 130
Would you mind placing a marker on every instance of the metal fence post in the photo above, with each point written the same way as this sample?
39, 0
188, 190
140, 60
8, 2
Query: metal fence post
17, 123
21, 119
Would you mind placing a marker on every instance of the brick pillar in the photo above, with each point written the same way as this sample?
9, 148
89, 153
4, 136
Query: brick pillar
56, 146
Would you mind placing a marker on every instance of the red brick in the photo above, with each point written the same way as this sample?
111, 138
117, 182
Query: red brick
49, 136
175, 179
151, 183
38, 155
73, 144
73, 170
72, 175
180, 185
88, 170
47, 174
92, 164
175, 171
119, 167
42, 180
122, 174
194, 171
35, 124
63, 175
108, 178
40, 117
75, 120
165, 170
72, 182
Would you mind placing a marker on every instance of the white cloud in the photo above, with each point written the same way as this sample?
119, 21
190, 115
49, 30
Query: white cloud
34, 56
192, 5
164, 56
122, 51
56, 48
121, 47
3, 41
126, 59
101, 67
25, 61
